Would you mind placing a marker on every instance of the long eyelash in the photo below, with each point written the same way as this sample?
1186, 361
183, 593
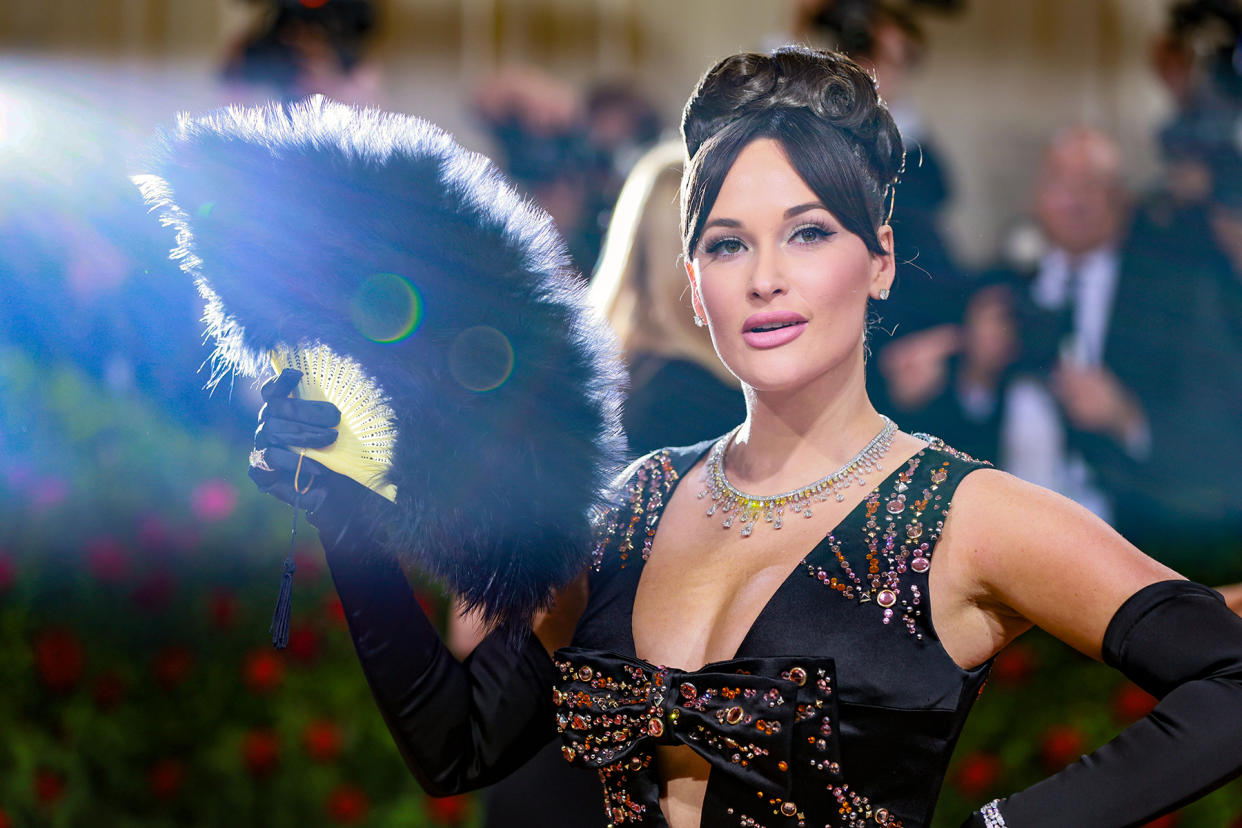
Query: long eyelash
822, 227
714, 246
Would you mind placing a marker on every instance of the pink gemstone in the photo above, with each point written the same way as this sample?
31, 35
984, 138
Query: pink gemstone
920, 564
886, 598
895, 506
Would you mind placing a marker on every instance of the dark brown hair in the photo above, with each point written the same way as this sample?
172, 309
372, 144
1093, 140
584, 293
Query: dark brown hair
822, 108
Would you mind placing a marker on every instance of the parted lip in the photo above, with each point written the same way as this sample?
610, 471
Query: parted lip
759, 320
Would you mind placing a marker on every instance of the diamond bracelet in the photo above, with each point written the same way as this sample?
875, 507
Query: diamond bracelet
992, 816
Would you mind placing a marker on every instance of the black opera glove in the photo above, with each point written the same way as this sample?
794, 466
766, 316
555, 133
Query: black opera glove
1181, 643
286, 423
459, 726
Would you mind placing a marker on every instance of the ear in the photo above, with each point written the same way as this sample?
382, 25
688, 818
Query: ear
696, 300
883, 266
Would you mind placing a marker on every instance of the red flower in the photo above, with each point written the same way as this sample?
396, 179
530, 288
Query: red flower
976, 774
1060, 745
48, 492
428, 603
448, 810
49, 786
263, 671
260, 752
153, 534
213, 500
59, 659
108, 689
304, 644
1167, 821
165, 778
335, 611
1014, 665
172, 666
322, 740
222, 609
107, 560
308, 563
347, 804
155, 591
1131, 703
8, 574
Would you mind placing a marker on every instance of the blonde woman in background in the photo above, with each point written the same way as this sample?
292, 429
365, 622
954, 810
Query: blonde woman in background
680, 393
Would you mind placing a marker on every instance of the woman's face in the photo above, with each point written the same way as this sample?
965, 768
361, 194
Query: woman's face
782, 285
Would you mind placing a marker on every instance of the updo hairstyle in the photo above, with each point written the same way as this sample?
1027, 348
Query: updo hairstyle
822, 108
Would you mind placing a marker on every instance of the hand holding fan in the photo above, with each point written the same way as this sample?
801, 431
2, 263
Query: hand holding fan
488, 414
366, 434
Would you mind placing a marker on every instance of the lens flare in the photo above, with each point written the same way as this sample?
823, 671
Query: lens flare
481, 358
386, 308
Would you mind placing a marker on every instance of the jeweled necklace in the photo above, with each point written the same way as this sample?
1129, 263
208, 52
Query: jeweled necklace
747, 508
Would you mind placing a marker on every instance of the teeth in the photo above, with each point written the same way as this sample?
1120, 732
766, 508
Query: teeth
775, 327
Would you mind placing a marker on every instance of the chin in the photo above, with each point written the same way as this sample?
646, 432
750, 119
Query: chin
776, 381
792, 373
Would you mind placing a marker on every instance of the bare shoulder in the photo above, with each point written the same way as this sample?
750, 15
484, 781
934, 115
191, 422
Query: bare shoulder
1041, 557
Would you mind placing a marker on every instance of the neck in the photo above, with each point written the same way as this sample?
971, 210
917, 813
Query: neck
790, 438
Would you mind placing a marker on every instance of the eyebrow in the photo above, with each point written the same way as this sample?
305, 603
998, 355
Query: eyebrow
790, 213
803, 208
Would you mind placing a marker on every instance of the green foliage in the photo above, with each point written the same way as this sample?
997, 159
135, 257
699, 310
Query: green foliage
1044, 706
138, 570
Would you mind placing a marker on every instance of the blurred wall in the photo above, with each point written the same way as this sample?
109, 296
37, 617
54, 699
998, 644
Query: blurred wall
998, 78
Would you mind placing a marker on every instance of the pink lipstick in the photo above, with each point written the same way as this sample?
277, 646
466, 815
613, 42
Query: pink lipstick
772, 329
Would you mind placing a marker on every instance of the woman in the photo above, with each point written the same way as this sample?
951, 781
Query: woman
679, 391
821, 666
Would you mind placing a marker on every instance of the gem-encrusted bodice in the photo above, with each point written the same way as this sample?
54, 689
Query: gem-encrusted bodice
854, 727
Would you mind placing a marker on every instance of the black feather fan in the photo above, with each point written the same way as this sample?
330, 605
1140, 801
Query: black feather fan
506, 439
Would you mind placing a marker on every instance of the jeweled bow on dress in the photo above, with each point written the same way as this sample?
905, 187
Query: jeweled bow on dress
743, 715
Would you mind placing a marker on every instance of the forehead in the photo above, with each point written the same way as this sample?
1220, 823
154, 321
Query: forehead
761, 178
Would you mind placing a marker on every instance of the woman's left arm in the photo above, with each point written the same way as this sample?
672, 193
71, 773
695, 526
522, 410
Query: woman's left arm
1038, 558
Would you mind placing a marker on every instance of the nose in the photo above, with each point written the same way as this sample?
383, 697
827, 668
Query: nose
767, 277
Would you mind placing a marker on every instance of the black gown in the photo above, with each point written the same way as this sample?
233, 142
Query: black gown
840, 708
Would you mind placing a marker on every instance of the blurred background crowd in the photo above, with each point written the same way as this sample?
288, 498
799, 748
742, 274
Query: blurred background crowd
1068, 306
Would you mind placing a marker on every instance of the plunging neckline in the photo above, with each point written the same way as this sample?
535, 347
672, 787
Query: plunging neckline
632, 650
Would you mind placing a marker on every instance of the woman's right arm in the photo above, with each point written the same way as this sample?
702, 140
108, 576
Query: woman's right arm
458, 725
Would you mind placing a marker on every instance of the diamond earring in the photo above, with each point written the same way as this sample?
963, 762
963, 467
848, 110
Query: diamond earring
883, 294
698, 320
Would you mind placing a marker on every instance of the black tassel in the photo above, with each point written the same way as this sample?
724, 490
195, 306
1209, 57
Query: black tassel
284, 598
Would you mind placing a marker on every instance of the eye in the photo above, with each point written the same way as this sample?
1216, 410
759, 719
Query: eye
810, 234
727, 246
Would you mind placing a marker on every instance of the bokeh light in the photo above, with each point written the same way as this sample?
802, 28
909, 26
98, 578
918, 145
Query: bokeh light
481, 358
386, 308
